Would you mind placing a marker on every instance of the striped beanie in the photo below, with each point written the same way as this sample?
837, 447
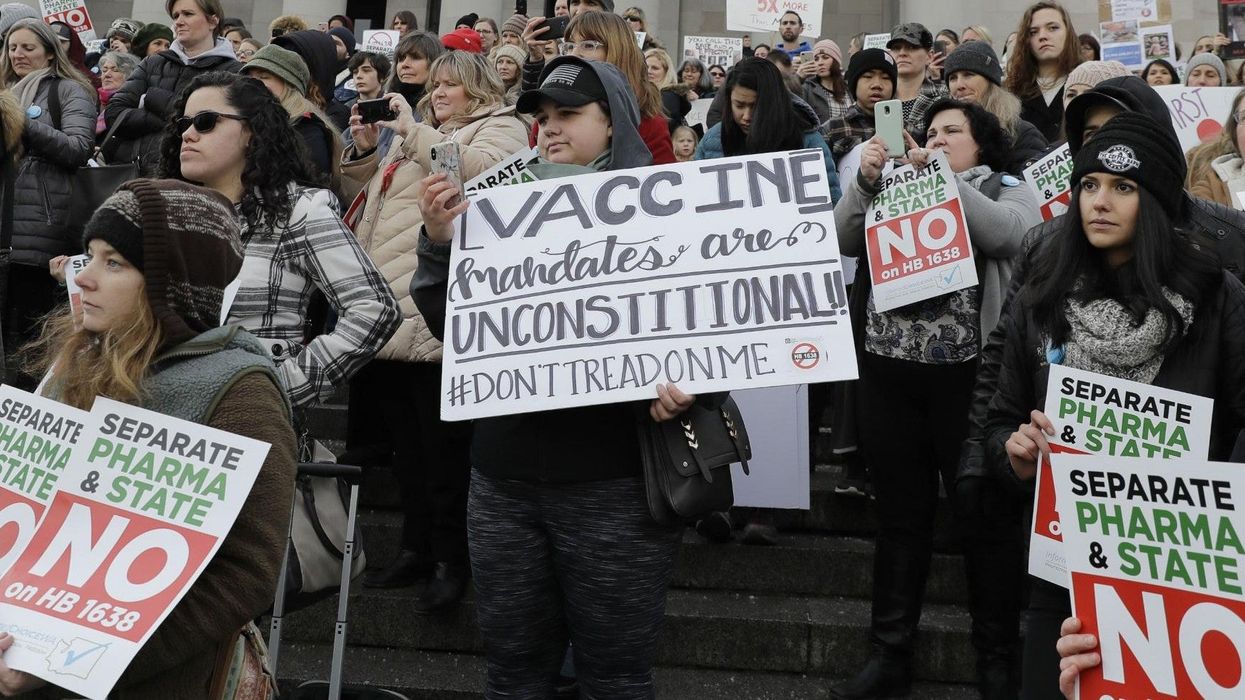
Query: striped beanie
185, 239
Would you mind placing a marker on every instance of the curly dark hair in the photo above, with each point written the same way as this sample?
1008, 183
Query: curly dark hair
275, 156
993, 143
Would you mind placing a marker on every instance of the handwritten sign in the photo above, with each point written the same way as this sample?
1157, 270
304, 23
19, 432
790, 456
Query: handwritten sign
714, 275
1096, 414
142, 506
1155, 559
382, 41
1198, 113
916, 236
71, 12
714, 50
512, 169
1049, 178
763, 15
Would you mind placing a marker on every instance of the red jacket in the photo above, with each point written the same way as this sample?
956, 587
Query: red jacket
655, 131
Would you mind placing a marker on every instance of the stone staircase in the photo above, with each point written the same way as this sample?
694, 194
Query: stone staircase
786, 621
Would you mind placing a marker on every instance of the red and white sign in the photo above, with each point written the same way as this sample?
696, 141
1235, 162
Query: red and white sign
1198, 113
1155, 556
37, 437
916, 236
142, 507
1100, 415
763, 15
71, 12
1049, 180
74, 265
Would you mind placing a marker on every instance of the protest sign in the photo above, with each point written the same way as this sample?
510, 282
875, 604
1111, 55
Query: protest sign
512, 169
876, 41
916, 236
1121, 41
1198, 113
699, 113
71, 12
1048, 178
1232, 25
1159, 42
763, 15
37, 437
1138, 10
778, 432
1096, 414
382, 41
714, 275
74, 265
640, 37
714, 50
142, 507
1155, 556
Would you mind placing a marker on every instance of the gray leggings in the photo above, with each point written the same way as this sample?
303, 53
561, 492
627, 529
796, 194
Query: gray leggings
582, 562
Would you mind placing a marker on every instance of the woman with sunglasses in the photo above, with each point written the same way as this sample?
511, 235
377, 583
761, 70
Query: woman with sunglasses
604, 36
717, 76
636, 20
55, 142
230, 134
143, 106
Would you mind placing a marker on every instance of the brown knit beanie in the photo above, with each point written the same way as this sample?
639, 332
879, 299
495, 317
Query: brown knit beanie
187, 242
516, 24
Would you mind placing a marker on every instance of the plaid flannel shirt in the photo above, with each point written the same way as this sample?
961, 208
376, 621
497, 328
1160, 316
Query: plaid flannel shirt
914, 109
846, 132
282, 268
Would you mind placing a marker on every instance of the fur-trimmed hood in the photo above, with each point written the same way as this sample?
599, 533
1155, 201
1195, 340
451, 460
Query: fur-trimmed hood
11, 122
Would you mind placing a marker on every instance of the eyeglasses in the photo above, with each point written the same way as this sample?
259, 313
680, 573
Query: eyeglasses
246, 53
633, 19
203, 122
569, 47
717, 74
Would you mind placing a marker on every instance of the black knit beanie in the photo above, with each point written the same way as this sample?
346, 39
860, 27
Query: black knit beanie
1134, 146
867, 60
468, 21
974, 56
186, 240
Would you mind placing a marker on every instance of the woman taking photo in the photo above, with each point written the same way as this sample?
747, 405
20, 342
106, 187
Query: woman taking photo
917, 367
974, 75
1114, 290
673, 94
143, 106
1047, 50
142, 342
231, 135
57, 135
604, 36
826, 92
401, 389
1216, 170
287, 77
562, 543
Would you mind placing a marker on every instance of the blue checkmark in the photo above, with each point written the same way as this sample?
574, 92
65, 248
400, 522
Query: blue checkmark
71, 657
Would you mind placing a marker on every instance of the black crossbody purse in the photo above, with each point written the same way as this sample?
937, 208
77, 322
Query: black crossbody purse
687, 461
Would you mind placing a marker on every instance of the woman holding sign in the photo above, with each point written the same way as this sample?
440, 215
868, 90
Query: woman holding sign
144, 340
400, 389
917, 365
1114, 290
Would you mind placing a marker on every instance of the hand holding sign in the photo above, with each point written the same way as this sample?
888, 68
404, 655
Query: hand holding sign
15, 682
670, 402
1029, 443
1077, 653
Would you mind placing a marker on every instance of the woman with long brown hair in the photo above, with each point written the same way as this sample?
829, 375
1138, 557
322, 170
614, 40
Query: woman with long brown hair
1037, 73
1216, 169
604, 36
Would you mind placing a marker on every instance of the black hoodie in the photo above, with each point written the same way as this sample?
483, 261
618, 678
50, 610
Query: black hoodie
320, 54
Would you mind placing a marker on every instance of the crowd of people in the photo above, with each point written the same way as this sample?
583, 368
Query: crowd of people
262, 162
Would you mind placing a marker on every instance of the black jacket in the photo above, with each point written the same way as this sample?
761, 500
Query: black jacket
1215, 227
319, 52
1209, 361
676, 105
155, 84
1048, 118
1028, 146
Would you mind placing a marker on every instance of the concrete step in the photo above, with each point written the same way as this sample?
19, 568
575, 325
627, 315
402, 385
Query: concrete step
801, 563
424, 675
707, 629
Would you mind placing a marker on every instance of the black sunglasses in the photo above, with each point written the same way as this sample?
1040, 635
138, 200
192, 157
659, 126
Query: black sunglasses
203, 122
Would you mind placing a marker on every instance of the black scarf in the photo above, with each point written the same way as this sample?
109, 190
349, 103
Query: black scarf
411, 91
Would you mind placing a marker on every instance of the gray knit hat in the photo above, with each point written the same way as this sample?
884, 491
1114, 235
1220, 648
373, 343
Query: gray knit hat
510, 51
516, 24
284, 63
13, 11
124, 27
1203, 59
976, 57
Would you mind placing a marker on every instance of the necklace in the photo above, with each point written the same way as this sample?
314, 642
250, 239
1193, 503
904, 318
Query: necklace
1048, 84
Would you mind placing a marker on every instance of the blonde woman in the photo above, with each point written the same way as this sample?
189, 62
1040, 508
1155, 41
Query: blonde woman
399, 391
636, 20
286, 76
674, 94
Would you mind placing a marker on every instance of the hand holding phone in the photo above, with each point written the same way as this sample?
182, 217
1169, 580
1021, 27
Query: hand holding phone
445, 159
557, 27
888, 121
377, 110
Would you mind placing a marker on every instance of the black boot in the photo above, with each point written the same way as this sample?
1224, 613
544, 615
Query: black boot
885, 675
405, 569
444, 589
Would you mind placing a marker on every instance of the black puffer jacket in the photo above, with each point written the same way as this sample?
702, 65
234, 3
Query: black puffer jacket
44, 187
146, 99
1028, 146
1216, 228
1209, 361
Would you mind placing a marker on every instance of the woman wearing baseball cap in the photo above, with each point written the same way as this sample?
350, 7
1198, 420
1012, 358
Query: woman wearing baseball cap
1117, 291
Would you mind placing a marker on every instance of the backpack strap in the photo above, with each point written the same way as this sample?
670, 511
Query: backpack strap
993, 186
54, 101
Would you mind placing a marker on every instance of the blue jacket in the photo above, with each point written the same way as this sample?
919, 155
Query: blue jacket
711, 147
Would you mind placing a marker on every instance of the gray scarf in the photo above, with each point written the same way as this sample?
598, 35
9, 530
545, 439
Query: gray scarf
28, 87
1105, 338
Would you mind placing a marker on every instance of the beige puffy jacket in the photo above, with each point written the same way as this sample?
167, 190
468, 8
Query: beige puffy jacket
388, 228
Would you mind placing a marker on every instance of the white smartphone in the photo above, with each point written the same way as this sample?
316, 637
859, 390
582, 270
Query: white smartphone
445, 159
888, 121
